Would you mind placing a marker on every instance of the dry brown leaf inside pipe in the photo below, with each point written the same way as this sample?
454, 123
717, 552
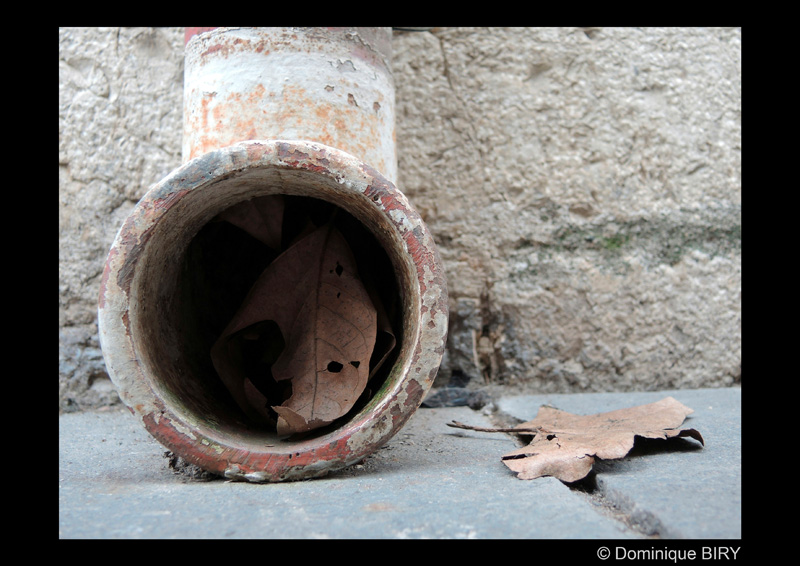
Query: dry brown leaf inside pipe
311, 326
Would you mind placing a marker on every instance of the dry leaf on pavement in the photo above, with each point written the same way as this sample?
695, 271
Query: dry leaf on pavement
565, 445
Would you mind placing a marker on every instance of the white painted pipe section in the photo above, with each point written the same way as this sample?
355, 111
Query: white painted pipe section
328, 85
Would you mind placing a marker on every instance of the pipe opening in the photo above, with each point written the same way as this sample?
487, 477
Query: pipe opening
197, 272
178, 271
222, 264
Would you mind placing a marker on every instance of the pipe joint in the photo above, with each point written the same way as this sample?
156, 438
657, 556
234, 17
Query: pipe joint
304, 116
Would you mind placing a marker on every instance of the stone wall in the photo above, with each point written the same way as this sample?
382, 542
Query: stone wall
583, 186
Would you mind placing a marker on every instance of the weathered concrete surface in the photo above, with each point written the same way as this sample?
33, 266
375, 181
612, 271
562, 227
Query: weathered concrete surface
583, 186
430, 481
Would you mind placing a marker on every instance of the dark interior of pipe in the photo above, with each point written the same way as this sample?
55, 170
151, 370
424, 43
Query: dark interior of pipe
218, 269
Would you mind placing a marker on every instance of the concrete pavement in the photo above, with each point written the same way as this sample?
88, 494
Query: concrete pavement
429, 481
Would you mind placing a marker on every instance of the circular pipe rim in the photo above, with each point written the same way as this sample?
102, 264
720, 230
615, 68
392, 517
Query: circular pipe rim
371, 198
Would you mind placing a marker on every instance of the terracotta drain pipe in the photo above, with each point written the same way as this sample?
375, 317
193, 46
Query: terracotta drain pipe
300, 112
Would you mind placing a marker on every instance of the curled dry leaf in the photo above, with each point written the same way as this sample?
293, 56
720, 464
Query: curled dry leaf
261, 217
565, 445
330, 340
327, 323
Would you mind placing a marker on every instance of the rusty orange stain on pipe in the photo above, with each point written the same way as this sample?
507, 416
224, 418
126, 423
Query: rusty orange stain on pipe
305, 83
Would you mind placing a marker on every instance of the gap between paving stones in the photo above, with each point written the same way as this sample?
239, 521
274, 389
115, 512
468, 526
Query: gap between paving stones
607, 502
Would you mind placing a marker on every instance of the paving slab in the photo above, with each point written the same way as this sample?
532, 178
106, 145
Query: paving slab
672, 489
429, 481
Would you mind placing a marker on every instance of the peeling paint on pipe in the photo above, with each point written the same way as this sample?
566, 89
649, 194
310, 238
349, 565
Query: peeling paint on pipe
329, 85
143, 316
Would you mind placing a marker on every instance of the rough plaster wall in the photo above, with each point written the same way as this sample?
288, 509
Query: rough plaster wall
584, 187
120, 118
